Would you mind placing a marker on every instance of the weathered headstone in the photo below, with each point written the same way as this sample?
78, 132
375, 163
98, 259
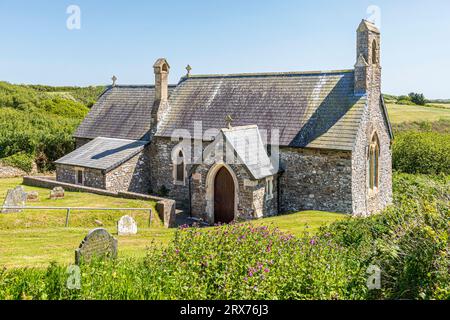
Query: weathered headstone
98, 244
16, 197
167, 213
126, 226
33, 196
57, 193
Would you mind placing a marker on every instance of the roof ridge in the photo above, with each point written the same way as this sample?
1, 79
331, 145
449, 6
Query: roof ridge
150, 86
267, 74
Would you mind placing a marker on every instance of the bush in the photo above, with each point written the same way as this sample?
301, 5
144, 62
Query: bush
422, 152
19, 160
418, 98
39, 121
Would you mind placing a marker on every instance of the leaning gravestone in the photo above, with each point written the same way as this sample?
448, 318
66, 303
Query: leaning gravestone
57, 193
16, 197
126, 226
98, 244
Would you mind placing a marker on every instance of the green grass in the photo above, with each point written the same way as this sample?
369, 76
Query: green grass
406, 113
35, 238
299, 222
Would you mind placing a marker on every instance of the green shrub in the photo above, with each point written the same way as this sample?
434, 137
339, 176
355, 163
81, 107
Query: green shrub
19, 160
418, 98
39, 120
422, 152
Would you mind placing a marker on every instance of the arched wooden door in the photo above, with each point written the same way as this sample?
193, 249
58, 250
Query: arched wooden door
223, 197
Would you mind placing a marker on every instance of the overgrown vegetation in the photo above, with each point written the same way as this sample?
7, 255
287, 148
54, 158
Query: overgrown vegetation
409, 242
422, 152
37, 122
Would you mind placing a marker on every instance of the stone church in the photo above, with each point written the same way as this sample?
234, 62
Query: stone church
243, 146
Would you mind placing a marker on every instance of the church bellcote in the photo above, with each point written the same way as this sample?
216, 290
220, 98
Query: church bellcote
161, 69
367, 67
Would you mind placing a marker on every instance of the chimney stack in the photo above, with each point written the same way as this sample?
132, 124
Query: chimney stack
161, 69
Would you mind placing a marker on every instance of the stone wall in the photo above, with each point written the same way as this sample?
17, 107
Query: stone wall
161, 173
10, 172
250, 195
93, 178
366, 202
316, 180
133, 175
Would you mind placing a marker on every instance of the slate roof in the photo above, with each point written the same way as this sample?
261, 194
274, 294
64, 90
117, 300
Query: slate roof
103, 153
122, 112
310, 109
250, 150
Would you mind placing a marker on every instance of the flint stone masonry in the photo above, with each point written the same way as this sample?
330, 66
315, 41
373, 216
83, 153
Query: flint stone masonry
98, 244
10, 172
131, 176
16, 197
126, 226
250, 199
161, 173
316, 180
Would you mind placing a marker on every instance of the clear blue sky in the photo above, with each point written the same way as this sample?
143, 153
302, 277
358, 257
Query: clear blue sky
220, 36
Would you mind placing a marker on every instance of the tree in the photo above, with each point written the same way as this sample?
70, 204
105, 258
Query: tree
418, 98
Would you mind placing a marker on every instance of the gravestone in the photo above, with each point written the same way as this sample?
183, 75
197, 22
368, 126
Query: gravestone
126, 226
57, 193
98, 244
16, 197
33, 196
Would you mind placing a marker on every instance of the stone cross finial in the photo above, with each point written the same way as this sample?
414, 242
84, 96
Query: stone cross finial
114, 79
188, 69
229, 120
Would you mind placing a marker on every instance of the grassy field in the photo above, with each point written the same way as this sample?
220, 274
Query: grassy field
405, 113
35, 238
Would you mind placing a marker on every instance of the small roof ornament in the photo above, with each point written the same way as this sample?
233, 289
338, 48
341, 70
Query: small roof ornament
229, 120
114, 79
188, 69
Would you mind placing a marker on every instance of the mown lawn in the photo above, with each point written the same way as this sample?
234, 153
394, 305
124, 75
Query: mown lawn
35, 238
406, 113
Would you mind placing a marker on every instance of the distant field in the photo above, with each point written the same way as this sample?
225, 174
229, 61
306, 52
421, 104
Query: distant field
35, 238
405, 113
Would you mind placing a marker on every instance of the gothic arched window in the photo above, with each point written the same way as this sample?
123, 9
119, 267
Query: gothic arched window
374, 163
179, 170
374, 52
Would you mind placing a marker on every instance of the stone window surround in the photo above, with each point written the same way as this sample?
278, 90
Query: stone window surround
269, 188
175, 153
77, 170
210, 179
373, 150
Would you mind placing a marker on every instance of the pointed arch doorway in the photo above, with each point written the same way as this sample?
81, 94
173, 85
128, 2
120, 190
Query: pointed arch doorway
224, 200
